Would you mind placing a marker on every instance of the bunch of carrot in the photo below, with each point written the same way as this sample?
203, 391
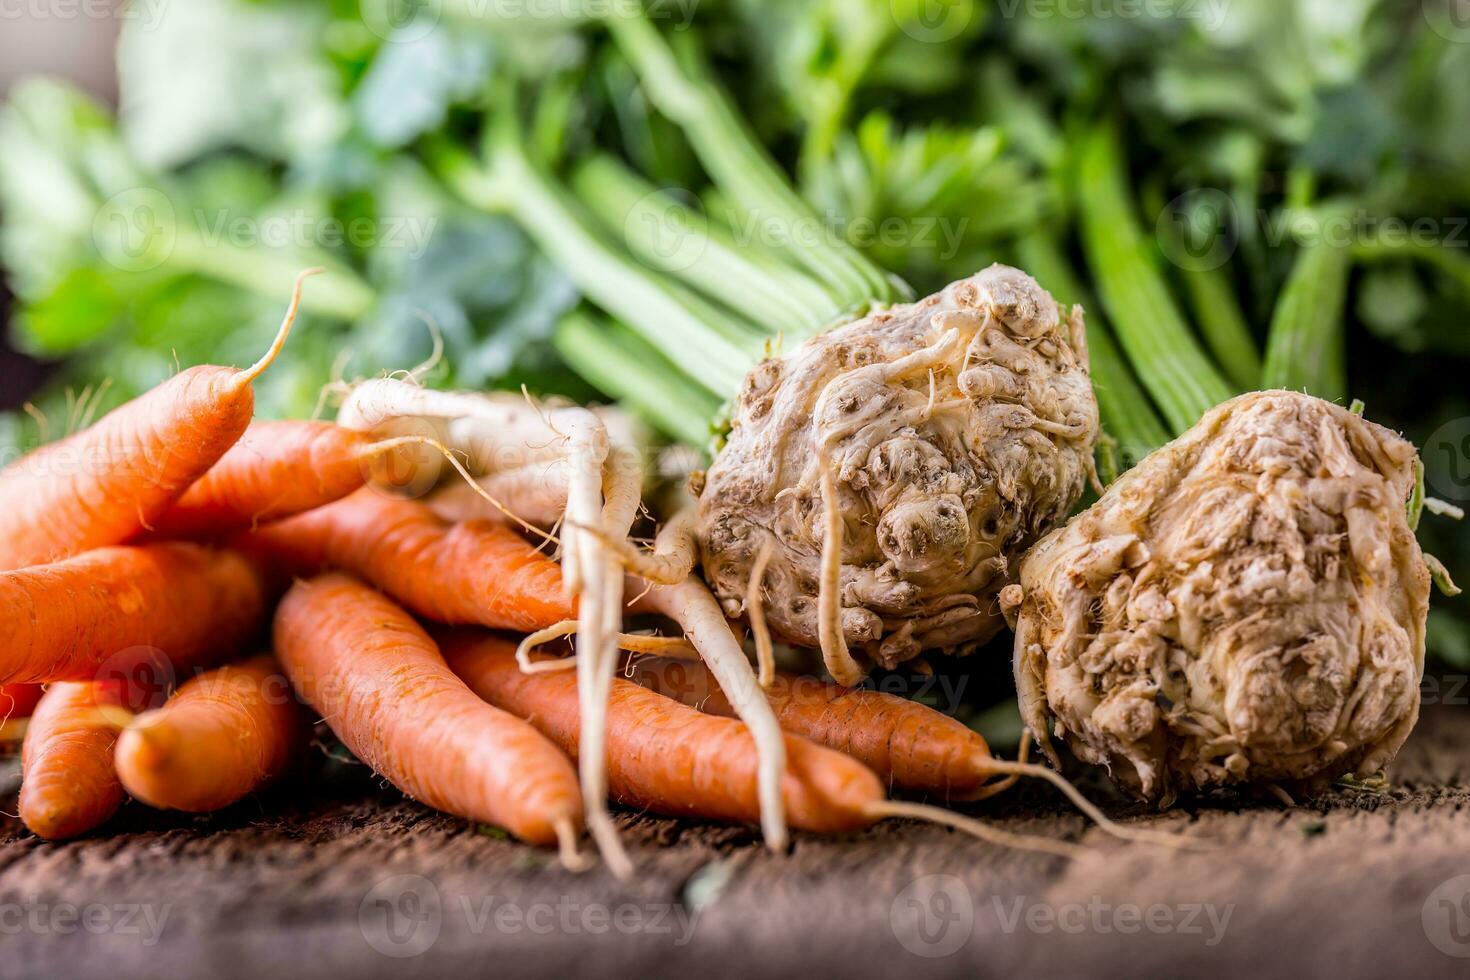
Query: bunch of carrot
131, 586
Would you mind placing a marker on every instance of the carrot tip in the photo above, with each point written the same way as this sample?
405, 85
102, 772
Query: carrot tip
141, 745
258, 368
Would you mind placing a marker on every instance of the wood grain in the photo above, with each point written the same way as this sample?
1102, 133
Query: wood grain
297, 882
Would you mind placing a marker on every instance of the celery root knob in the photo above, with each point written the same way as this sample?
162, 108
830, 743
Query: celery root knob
1247, 605
944, 435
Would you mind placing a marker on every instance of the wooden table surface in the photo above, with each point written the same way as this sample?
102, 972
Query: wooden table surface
342, 877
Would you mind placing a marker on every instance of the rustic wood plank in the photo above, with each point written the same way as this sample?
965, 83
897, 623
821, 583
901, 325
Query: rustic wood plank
310, 881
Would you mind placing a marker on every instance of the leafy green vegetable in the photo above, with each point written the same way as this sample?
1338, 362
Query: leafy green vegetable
921, 137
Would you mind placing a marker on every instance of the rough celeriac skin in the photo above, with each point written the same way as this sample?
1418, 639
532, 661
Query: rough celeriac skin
959, 429
1247, 605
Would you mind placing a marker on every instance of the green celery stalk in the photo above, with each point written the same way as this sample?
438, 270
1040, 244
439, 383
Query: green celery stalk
1158, 341
1126, 413
682, 88
1222, 322
1223, 325
1435, 254
676, 240
712, 345
1306, 348
622, 365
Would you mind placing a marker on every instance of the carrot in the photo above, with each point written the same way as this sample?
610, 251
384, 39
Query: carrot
106, 484
664, 756
478, 572
68, 785
222, 736
121, 608
276, 470
379, 681
910, 746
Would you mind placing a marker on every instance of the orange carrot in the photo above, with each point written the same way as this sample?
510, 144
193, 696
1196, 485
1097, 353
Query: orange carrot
910, 746
106, 484
478, 572
222, 736
664, 756
277, 469
125, 607
68, 785
380, 683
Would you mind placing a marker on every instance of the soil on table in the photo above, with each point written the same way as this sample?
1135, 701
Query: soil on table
340, 876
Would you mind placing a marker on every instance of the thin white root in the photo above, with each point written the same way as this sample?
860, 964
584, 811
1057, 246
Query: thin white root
504, 434
622, 491
654, 646
994, 789
1089, 809
88, 408
538, 493
566, 847
838, 660
524, 434
258, 368
586, 572
674, 553
975, 828
1278, 791
765, 653
469, 479
691, 605
646, 645
540, 638
1439, 508
417, 375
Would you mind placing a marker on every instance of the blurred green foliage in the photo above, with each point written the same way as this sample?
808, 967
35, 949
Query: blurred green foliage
256, 137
